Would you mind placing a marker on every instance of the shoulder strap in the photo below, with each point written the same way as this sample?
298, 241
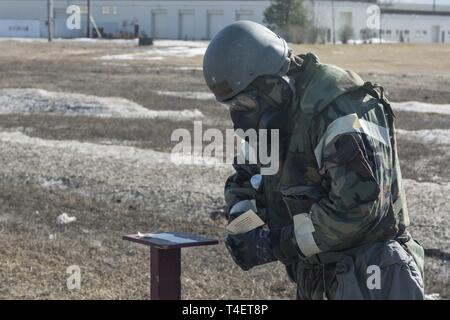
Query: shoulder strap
398, 197
376, 90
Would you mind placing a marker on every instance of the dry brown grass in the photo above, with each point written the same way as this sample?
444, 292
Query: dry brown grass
33, 266
386, 58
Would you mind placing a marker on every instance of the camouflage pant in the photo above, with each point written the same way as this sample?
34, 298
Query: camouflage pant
382, 270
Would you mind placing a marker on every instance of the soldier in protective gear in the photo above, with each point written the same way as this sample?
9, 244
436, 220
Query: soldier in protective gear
335, 211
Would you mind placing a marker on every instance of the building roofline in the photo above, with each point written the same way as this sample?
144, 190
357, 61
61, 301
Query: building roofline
415, 12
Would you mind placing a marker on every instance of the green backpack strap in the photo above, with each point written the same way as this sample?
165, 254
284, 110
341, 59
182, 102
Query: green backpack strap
398, 198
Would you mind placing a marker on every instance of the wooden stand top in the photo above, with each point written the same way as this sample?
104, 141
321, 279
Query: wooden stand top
170, 240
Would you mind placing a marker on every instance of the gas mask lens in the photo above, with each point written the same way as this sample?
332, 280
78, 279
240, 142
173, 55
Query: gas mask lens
242, 102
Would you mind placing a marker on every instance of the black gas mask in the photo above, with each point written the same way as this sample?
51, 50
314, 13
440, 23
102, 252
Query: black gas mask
263, 105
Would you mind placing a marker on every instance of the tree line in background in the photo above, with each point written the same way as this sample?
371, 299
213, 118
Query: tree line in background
288, 18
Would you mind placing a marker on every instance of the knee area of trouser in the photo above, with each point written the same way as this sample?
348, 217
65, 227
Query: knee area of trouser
315, 281
383, 270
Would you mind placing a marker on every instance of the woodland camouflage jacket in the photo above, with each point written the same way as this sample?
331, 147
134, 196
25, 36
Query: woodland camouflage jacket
339, 184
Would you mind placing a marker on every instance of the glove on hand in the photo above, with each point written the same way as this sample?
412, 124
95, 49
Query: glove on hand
250, 249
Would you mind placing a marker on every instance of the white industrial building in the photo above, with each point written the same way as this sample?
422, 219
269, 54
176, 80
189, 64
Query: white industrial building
201, 19
158, 19
408, 22
416, 25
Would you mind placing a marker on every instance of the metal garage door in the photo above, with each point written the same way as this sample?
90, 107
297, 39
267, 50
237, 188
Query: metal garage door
435, 33
61, 30
215, 22
345, 19
245, 15
186, 25
160, 26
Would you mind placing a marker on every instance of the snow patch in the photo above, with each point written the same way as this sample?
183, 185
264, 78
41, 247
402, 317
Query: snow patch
367, 41
434, 136
146, 157
133, 42
187, 95
31, 101
180, 43
188, 68
24, 40
64, 218
153, 68
164, 48
421, 107
129, 57
53, 184
176, 115
179, 51
115, 64
177, 68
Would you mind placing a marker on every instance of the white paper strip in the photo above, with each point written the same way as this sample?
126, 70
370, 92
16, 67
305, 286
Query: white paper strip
245, 223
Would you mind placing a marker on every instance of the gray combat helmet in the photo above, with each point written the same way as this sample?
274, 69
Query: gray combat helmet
241, 52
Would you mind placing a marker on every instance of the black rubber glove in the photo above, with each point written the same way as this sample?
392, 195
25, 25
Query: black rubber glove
250, 249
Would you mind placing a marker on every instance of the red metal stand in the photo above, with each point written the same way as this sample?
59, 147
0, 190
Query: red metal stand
165, 261
165, 271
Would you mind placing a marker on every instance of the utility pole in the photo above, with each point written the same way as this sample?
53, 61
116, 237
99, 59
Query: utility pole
381, 23
50, 20
88, 23
333, 22
434, 5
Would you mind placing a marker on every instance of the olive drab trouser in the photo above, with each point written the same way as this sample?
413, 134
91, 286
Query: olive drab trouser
384, 270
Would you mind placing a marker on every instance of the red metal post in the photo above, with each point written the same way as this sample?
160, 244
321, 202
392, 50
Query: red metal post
165, 260
165, 272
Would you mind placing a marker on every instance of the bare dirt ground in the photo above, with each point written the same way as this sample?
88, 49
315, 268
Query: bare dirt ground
115, 176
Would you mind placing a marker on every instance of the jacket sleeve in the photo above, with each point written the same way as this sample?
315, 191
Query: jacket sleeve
353, 153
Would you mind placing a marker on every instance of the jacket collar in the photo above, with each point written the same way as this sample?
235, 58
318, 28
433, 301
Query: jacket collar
319, 84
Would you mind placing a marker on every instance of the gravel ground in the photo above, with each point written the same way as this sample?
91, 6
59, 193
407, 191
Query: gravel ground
77, 138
